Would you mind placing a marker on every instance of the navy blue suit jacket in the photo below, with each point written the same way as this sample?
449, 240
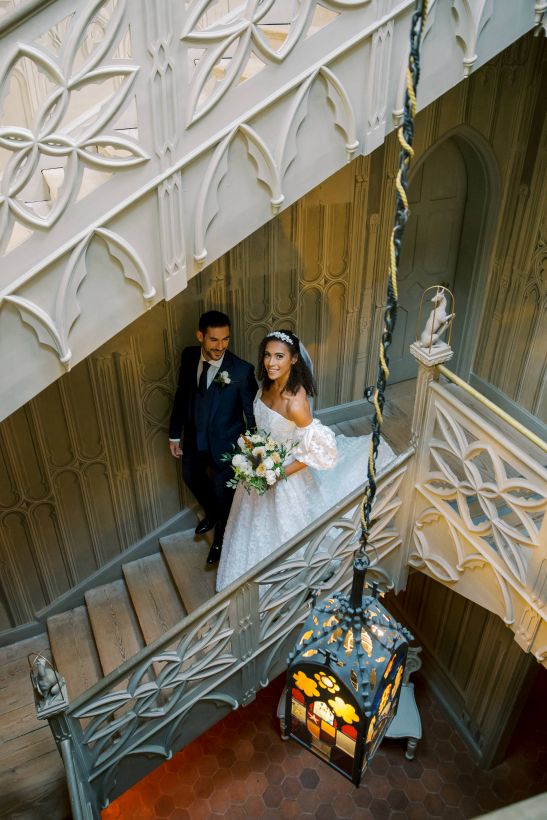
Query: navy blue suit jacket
231, 409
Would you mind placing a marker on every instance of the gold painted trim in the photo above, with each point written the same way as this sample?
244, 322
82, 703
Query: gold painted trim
516, 425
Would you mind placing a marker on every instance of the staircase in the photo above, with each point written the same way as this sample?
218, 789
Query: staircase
155, 658
122, 617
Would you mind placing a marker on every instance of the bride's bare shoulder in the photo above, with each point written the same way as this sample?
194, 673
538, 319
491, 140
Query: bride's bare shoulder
298, 408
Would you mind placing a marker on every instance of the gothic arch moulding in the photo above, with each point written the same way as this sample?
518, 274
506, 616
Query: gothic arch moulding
477, 231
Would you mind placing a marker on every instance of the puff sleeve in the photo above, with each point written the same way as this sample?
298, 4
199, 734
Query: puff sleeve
316, 446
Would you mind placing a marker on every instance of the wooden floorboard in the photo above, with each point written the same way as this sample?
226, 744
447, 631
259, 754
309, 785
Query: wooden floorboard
32, 780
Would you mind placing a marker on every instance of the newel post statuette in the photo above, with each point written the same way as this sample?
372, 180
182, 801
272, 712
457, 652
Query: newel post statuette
430, 351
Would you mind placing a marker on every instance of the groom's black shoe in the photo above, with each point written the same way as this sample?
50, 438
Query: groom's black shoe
214, 552
205, 525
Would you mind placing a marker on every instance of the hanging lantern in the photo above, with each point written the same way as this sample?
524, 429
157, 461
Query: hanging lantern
344, 677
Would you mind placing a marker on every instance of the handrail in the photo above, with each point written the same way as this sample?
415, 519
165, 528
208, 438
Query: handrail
516, 425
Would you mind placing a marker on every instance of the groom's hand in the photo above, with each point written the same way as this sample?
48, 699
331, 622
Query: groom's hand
175, 448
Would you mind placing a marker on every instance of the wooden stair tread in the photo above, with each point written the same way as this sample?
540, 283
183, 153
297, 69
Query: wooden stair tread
74, 651
186, 555
154, 596
114, 623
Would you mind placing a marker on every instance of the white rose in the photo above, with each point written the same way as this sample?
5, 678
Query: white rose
239, 460
268, 463
271, 477
259, 452
241, 443
261, 470
225, 377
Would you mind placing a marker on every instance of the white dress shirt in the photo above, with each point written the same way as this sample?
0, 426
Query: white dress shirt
212, 373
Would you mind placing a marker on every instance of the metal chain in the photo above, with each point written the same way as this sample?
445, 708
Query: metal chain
405, 134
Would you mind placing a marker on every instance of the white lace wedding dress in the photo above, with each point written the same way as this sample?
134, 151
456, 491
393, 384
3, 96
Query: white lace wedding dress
259, 524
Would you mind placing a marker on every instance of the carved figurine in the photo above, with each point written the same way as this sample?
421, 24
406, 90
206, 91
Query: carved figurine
438, 320
46, 681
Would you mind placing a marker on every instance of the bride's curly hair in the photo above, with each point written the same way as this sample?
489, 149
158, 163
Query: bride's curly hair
300, 374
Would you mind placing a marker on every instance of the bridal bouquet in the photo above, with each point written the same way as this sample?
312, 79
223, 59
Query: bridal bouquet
257, 461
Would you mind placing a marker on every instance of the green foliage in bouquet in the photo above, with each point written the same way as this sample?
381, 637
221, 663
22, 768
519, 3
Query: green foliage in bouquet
257, 461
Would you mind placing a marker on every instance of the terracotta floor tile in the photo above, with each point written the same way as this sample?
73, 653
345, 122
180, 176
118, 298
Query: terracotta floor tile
258, 762
273, 796
309, 778
270, 814
242, 770
451, 795
291, 787
397, 777
243, 750
380, 809
261, 741
416, 811
325, 811
379, 786
362, 797
453, 813
470, 807
225, 758
414, 768
415, 790
179, 814
236, 813
254, 806
164, 806
434, 805
343, 804
397, 800
256, 783
289, 809
307, 800
237, 791
432, 781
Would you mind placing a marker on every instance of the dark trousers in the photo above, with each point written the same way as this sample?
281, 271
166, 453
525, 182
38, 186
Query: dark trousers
207, 481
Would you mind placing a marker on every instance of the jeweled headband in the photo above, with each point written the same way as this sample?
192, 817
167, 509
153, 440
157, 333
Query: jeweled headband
280, 335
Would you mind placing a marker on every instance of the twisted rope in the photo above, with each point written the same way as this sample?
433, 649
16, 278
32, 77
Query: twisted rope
405, 134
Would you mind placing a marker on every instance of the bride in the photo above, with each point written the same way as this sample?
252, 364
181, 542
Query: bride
259, 524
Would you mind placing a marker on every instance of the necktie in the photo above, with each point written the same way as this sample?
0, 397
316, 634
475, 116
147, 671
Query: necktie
202, 386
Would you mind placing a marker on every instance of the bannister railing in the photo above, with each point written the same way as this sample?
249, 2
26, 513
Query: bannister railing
226, 650
516, 425
480, 523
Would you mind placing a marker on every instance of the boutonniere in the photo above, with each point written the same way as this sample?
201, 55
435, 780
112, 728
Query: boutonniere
222, 378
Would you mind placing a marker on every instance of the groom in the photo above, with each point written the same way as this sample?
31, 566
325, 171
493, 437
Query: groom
213, 405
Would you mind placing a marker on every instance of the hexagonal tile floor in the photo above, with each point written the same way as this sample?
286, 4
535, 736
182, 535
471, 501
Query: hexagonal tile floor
242, 769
